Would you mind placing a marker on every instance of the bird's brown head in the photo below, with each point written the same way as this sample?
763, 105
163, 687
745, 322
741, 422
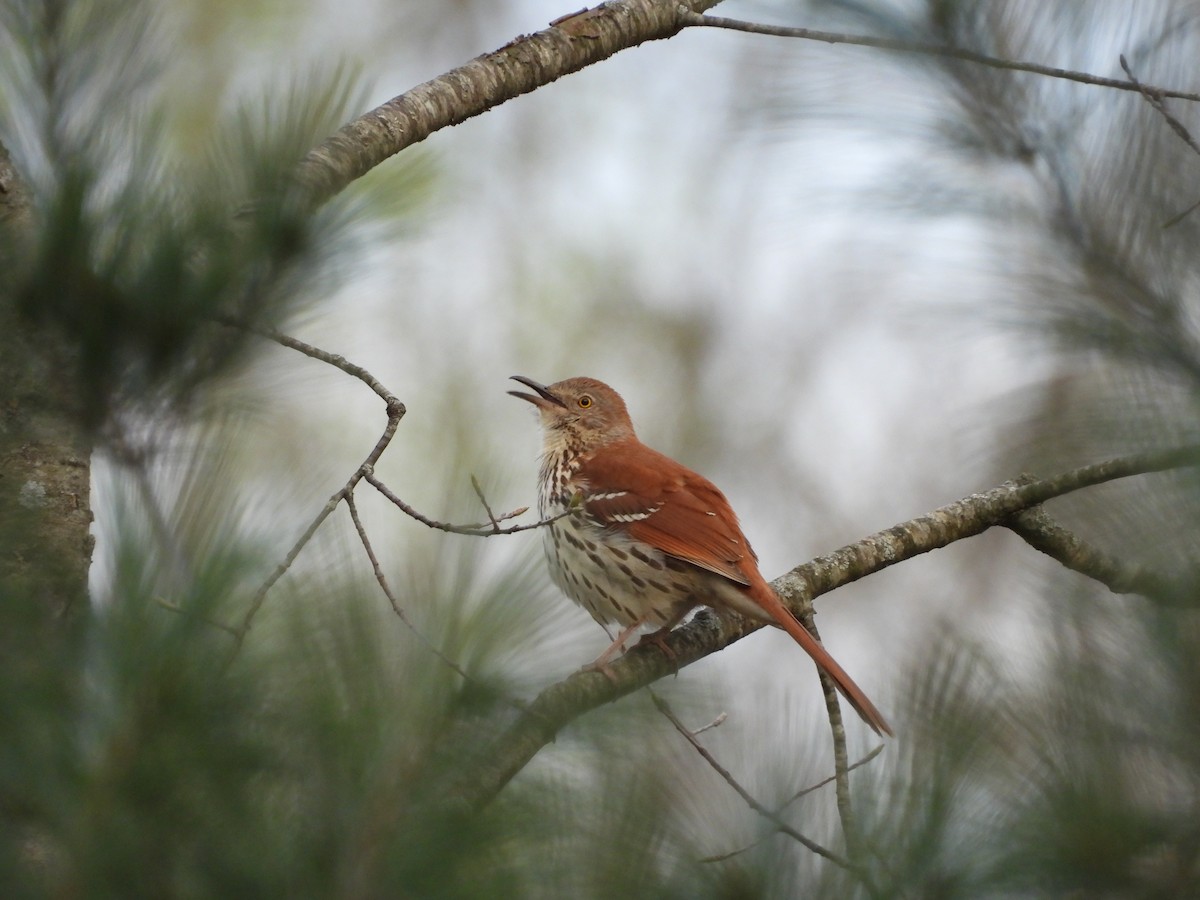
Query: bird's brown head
581, 408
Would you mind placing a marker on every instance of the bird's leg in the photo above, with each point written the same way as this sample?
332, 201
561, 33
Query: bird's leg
659, 638
600, 663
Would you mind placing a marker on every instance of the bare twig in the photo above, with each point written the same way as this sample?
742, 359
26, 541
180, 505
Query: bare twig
824, 781
881, 43
476, 530
482, 499
333, 359
841, 758
774, 819
387, 590
331, 504
1154, 96
796, 796
1179, 217
395, 411
715, 723
184, 611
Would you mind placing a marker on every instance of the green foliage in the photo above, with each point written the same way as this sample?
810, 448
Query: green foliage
139, 757
135, 250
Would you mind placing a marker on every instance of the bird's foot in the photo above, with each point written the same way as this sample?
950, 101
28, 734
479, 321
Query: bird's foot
659, 640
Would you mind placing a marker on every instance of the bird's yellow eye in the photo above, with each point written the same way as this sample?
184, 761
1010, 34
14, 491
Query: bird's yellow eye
585, 401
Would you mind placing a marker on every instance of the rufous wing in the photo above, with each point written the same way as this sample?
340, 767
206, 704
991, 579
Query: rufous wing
666, 505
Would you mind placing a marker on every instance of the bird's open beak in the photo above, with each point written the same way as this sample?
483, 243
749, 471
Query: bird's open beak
545, 397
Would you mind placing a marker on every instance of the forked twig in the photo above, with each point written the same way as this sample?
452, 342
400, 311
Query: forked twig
796, 796
488, 509
395, 412
476, 530
1154, 96
782, 826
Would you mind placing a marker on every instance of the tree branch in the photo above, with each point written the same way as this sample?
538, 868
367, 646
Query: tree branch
45, 452
1037, 528
963, 518
841, 757
561, 703
523, 65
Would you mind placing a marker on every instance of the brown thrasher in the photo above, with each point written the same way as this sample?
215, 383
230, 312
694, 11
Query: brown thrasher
649, 539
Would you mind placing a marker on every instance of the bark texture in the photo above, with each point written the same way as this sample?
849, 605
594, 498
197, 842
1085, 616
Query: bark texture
45, 471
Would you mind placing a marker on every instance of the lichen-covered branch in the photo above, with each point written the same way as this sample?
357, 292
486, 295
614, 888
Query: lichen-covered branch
520, 740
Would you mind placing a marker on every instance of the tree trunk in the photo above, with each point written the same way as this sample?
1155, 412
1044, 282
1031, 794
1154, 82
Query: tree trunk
45, 514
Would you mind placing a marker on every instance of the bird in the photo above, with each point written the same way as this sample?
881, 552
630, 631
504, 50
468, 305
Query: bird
638, 539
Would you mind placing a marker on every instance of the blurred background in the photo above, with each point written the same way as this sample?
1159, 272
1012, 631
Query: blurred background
847, 285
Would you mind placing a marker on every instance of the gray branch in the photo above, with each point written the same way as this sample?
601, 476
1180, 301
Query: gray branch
480, 779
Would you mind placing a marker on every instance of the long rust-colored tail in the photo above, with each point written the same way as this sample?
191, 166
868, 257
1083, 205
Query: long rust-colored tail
765, 597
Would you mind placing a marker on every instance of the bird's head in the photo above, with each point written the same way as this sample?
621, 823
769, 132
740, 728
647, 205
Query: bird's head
581, 407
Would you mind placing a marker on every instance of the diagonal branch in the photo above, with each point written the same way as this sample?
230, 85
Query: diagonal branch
1154, 96
1036, 527
964, 518
525, 64
560, 704
804, 792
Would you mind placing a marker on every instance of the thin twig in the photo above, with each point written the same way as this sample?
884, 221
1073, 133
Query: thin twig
395, 412
1179, 217
782, 826
730, 854
881, 43
477, 530
184, 611
796, 796
482, 499
841, 758
715, 723
333, 359
387, 591
824, 781
1155, 98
